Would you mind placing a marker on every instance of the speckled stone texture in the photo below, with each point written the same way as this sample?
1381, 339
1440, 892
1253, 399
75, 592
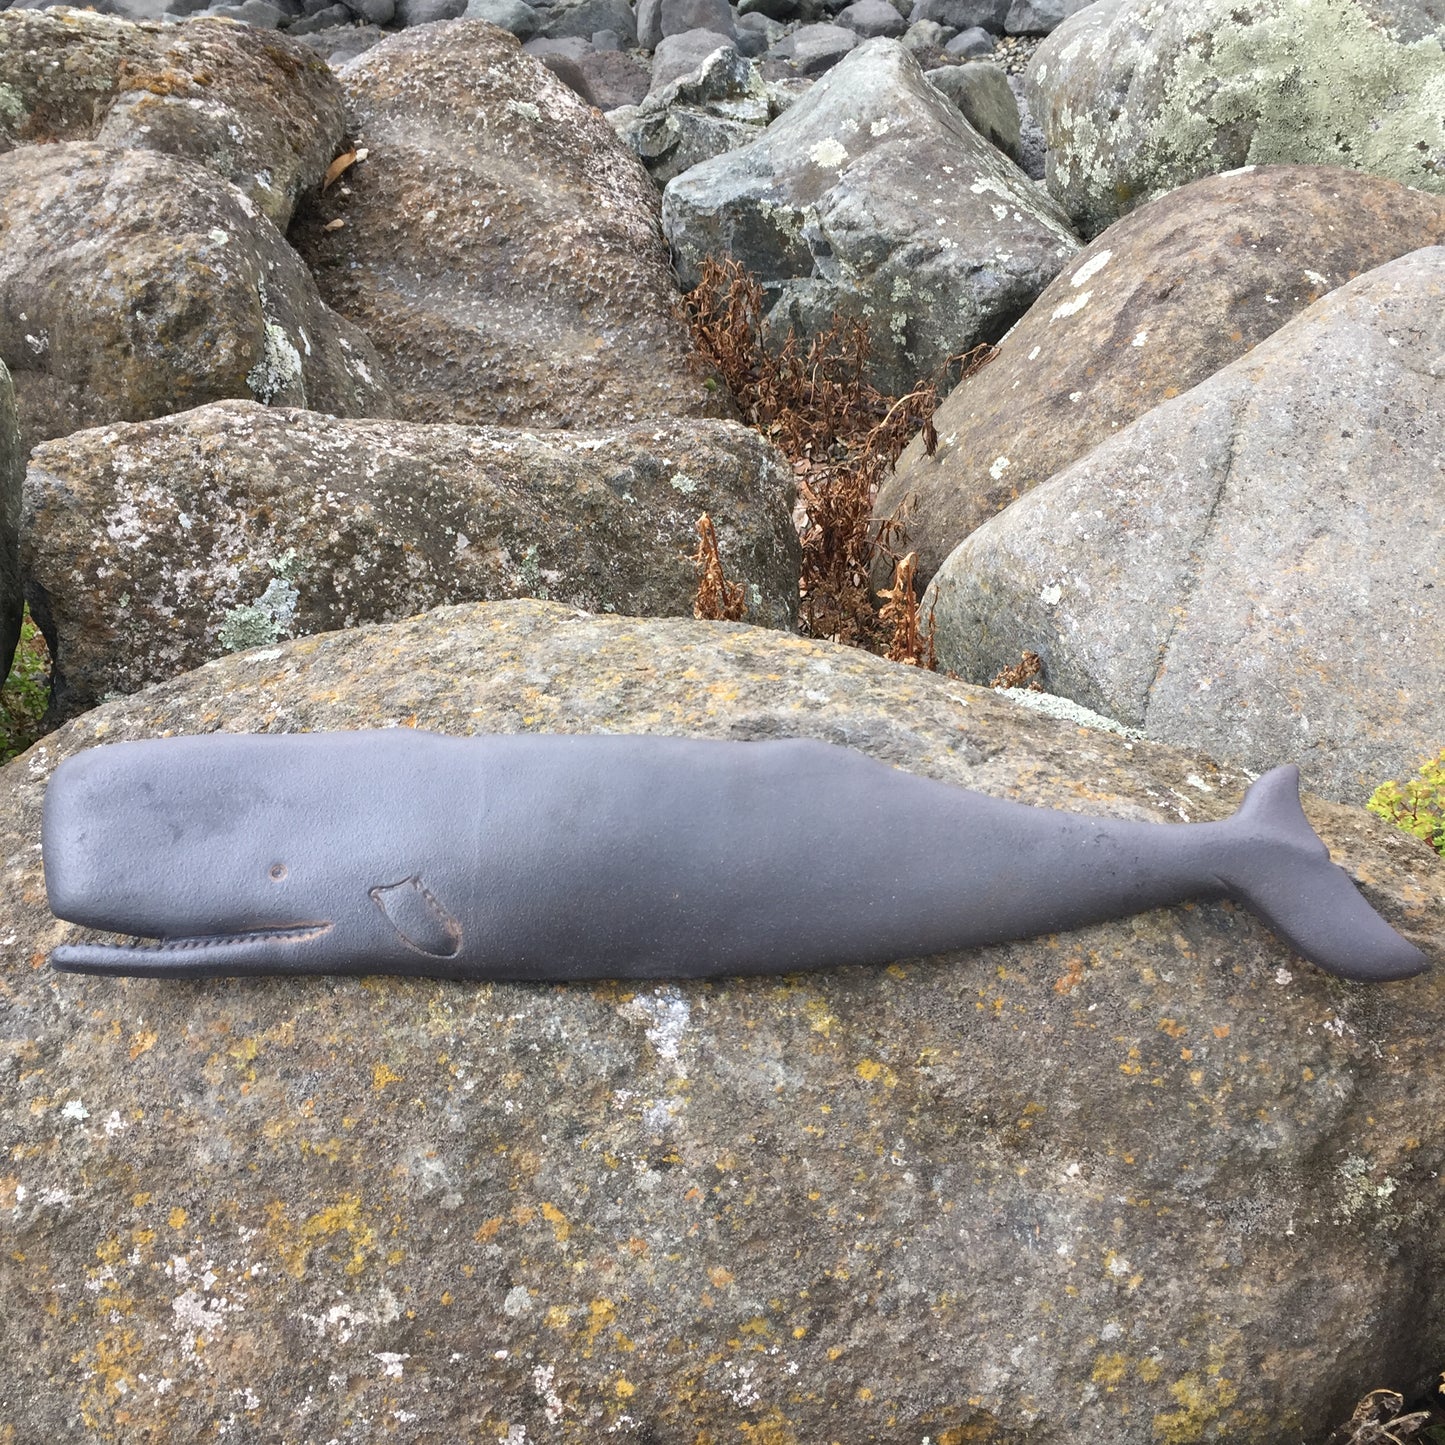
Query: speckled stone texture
1159, 302
1136, 97
150, 549
873, 197
135, 285
501, 245
1256, 568
260, 111
1156, 1181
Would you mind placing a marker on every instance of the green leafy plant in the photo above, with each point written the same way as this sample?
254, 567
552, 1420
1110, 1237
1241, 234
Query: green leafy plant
1418, 806
26, 693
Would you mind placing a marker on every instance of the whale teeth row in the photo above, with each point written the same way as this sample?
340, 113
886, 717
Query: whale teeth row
222, 940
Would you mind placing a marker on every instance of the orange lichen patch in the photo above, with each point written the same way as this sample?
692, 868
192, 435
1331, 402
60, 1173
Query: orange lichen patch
177, 1218
772, 1429
488, 1229
720, 1277
142, 1042
561, 1230
600, 1314
1173, 1028
382, 1075
871, 1072
1072, 976
295, 1247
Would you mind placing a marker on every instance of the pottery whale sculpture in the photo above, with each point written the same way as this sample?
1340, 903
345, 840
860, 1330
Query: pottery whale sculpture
568, 857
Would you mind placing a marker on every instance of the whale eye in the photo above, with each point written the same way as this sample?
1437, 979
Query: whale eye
276, 872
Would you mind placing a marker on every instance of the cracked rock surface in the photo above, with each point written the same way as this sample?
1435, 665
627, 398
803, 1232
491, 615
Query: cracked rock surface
1253, 568
1010, 1194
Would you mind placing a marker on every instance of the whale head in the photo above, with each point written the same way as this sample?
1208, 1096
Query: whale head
239, 853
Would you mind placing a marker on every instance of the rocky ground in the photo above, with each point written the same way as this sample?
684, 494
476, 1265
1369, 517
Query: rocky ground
344, 383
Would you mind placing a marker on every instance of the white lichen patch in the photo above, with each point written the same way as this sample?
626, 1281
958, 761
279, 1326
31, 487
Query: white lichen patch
665, 1014
1070, 308
1140, 337
998, 467
268, 619
279, 369
1091, 268
829, 153
1051, 595
681, 482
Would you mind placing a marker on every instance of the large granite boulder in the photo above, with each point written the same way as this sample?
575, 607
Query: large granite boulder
133, 285
1254, 568
260, 111
500, 245
1159, 302
151, 548
1136, 97
873, 197
1155, 1181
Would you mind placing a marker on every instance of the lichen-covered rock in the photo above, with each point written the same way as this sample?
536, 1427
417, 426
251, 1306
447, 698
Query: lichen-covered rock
1159, 302
873, 197
500, 245
260, 111
1256, 568
134, 285
12, 476
1136, 97
1151, 1183
152, 548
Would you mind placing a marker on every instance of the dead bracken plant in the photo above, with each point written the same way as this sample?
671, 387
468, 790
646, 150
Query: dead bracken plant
1024, 673
717, 599
842, 435
1377, 1421
907, 642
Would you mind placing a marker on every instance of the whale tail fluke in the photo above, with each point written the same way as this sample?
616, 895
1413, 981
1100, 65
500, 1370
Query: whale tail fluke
1284, 875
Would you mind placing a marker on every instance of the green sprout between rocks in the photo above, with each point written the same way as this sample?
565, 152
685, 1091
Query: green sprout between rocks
26, 693
1418, 806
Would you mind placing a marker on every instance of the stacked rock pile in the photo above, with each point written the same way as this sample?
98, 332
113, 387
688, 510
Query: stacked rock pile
345, 385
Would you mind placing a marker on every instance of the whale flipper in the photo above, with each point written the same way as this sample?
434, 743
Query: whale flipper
418, 917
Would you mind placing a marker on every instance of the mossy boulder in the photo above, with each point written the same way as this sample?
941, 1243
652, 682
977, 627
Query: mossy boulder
1154, 1181
1136, 97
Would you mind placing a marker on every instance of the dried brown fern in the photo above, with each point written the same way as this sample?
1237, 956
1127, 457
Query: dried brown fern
899, 616
841, 434
717, 599
1022, 674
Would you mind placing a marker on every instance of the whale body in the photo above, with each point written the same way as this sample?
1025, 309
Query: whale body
571, 857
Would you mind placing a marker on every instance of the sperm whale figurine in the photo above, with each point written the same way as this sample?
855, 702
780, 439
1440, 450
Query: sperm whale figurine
569, 857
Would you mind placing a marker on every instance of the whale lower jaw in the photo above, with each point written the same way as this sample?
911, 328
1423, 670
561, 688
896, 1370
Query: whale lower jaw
254, 950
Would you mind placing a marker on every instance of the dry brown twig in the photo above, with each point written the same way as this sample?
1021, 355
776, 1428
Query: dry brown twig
900, 617
1024, 673
717, 599
1376, 1421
